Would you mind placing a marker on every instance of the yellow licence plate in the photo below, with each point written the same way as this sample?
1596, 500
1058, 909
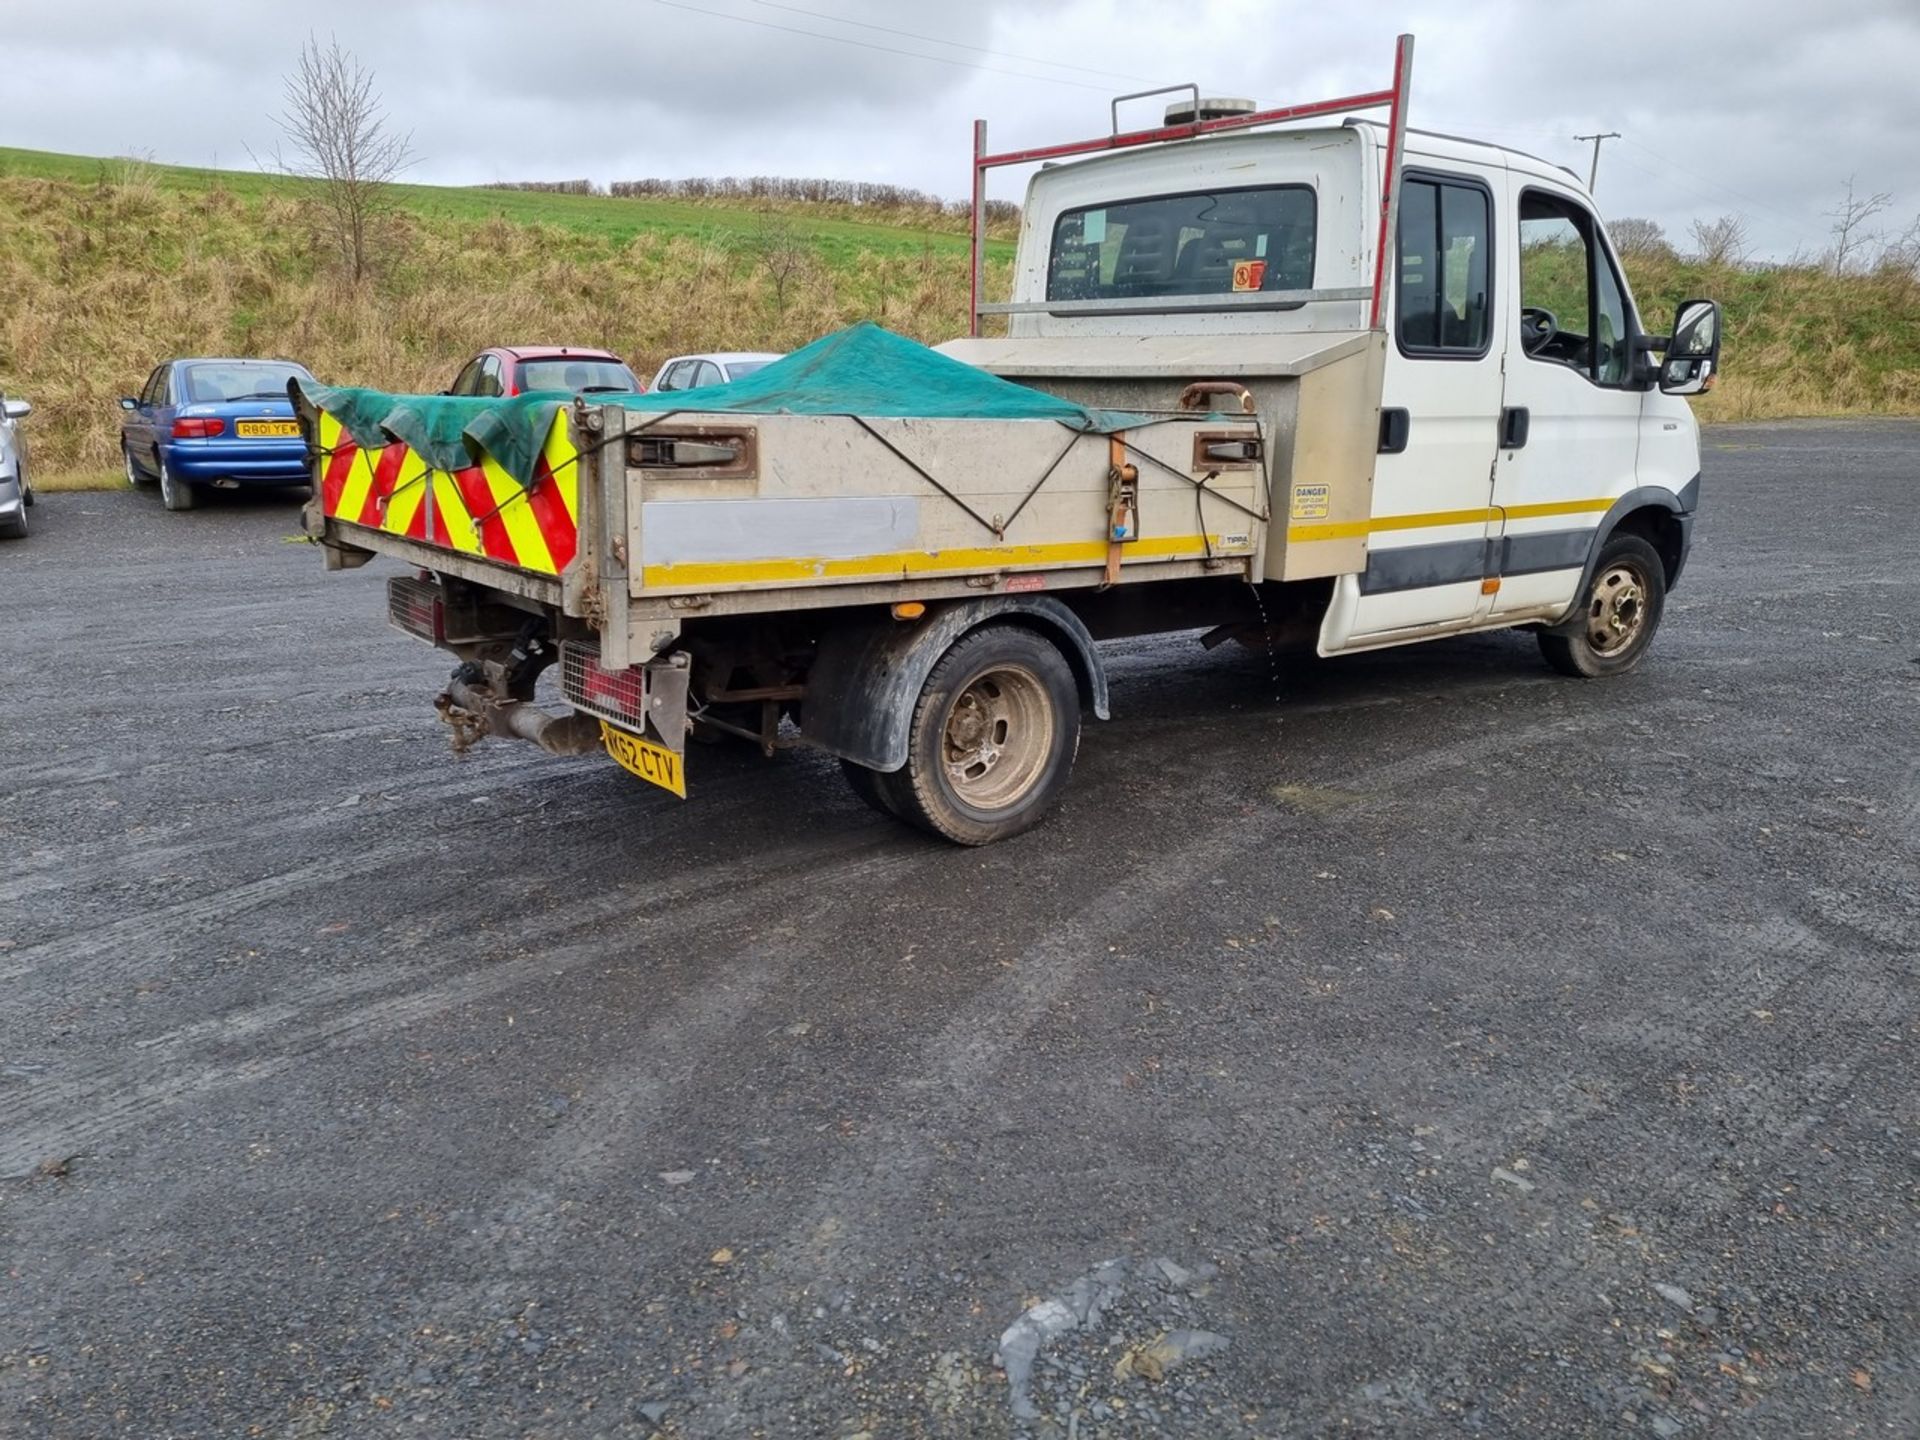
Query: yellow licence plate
653, 763
264, 429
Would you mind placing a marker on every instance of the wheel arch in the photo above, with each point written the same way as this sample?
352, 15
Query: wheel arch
1661, 517
867, 675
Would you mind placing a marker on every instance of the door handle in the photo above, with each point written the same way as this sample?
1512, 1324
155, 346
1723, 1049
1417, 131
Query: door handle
1394, 423
1514, 423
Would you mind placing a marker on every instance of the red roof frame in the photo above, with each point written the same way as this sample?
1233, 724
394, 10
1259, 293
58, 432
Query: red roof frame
1394, 98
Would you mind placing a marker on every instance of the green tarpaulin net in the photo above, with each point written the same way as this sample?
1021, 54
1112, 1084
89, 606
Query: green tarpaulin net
863, 370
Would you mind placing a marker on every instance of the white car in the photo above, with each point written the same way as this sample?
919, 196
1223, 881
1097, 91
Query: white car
16, 490
722, 367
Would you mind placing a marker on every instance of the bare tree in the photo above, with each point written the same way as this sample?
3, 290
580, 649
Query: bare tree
1637, 238
1849, 230
339, 133
782, 256
1722, 241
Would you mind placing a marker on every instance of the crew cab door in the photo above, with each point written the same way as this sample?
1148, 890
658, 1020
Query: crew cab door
1433, 527
1570, 422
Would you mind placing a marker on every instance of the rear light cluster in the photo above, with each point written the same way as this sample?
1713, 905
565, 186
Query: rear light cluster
416, 606
197, 427
616, 695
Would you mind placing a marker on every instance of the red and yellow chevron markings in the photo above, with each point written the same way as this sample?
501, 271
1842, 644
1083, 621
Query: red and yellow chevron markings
479, 511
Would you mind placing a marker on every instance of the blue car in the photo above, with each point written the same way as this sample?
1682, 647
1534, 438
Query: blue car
226, 423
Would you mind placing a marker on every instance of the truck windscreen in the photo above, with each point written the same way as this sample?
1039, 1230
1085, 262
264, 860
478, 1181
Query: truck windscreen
1209, 242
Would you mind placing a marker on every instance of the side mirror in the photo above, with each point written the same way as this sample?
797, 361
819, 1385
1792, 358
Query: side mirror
127, 402
1693, 351
18, 409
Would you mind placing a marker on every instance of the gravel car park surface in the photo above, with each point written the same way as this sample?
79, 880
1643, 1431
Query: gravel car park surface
1414, 1044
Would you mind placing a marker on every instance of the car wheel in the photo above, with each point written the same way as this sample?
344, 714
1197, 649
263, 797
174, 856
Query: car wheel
14, 527
1621, 609
992, 739
175, 493
136, 477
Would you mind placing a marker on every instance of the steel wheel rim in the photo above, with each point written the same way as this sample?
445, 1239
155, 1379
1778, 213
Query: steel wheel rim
1617, 608
997, 737
133, 479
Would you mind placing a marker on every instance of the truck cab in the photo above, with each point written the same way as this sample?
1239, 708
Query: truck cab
1523, 422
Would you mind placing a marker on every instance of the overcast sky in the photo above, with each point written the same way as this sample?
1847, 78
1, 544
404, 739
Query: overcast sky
1761, 108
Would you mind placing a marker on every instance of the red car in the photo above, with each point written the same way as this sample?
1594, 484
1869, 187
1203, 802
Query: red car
518, 369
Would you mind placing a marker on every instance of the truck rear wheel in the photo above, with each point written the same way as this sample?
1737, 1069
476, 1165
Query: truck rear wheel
870, 786
993, 738
1619, 613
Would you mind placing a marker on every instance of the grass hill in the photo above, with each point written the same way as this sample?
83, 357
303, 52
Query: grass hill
109, 266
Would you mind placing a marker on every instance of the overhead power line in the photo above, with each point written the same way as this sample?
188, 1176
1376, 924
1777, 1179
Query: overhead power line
883, 49
956, 44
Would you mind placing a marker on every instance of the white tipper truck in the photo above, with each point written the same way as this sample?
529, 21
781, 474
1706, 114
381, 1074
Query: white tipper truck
1364, 386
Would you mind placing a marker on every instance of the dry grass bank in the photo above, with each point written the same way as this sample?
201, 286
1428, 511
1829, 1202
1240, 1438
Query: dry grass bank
104, 277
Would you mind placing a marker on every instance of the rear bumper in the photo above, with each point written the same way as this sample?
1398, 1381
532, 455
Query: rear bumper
256, 462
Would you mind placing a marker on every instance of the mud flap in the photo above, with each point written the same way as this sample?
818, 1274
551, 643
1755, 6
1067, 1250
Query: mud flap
867, 677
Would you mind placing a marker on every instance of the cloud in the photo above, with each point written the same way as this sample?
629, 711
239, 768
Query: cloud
1762, 109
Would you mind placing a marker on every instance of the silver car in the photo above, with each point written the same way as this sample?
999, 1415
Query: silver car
16, 490
719, 367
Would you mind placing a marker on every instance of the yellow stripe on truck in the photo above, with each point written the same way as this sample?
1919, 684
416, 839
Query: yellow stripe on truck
1379, 524
905, 563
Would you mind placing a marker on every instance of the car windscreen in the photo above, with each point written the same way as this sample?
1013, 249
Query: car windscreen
566, 372
740, 369
1203, 242
213, 382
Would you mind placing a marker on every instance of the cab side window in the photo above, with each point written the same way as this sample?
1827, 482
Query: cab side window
1573, 308
156, 391
464, 382
1443, 291
488, 382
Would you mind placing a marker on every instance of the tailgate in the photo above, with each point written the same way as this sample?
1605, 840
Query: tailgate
481, 512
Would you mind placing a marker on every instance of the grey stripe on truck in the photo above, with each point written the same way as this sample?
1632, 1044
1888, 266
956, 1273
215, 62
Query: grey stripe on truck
1414, 567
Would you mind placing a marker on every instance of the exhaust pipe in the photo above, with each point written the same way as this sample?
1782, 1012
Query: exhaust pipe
474, 713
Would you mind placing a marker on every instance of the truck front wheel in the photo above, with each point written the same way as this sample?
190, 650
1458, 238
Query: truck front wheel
1619, 613
993, 737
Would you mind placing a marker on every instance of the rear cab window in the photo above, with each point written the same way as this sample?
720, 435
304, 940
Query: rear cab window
1200, 242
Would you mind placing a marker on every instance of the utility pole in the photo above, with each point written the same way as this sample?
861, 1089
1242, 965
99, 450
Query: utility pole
1593, 173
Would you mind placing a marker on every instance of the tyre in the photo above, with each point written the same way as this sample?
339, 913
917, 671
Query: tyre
869, 786
992, 739
1625, 599
175, 493
136, 477
14, 527
26, 487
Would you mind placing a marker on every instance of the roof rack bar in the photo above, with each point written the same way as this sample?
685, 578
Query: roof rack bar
1394, 98
1191, 87
1390, 176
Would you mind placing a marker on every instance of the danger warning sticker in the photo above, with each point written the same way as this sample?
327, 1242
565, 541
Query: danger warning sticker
1310, 502
1249, 274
